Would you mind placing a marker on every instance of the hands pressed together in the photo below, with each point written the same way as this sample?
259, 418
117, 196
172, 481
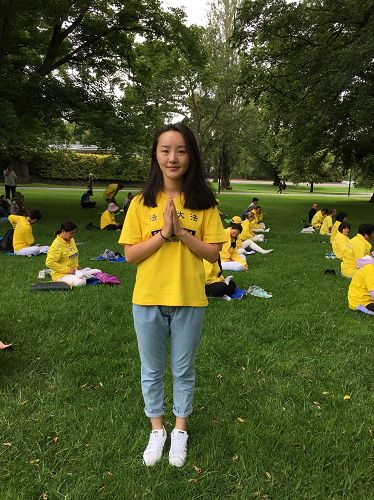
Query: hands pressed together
171, 221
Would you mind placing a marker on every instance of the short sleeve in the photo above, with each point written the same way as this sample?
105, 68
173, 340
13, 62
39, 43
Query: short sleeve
132, 229
213, 231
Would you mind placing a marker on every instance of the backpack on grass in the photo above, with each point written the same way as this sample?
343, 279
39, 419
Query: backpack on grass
6, 244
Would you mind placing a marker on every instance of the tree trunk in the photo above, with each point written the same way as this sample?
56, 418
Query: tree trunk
311, 190
276, 178
21, 169
372, 199
225, 167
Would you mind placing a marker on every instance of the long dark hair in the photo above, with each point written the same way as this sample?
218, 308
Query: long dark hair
197, 193
66, 226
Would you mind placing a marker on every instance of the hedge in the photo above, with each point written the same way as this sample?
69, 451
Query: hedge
76, 166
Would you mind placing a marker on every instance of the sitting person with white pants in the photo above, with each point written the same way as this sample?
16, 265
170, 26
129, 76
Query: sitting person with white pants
23, 238
248, 238
62, 257
230, 258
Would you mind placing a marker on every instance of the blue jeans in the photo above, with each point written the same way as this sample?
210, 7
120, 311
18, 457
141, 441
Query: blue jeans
153, 326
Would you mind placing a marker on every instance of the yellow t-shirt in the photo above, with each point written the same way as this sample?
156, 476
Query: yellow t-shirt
107, 219
229, 253
22, 237
257, 220
172, 275
355, 249
212, 272
338, 245
335, 230
317, 220
247, 231
111, 191
61, 257
326, 225
361, 285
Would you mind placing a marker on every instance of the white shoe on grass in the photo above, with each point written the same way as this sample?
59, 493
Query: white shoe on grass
153, 453
178, 448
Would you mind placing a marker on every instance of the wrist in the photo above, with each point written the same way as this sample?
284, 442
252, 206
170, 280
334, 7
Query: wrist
164, 238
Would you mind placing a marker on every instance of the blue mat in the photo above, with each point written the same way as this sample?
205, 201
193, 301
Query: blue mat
116, 259
238, 293
93, 282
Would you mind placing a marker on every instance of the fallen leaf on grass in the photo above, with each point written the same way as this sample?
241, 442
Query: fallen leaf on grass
109, 474
370, 432
241, 420
34, 461
23, 402
268, 474
7, 444
220, 376
44, 496
192, 480
197, 469
347, 397
235, 458
325, 393
316, 404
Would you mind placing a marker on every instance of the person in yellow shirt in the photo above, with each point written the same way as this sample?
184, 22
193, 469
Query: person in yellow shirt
341, 217
361, 288
259, 225
111, 192
356, 248
108, 221
327, 223
341, 239
318, 218
169, 229
248, 246
216, 285
62, 256
23, 239
231, 260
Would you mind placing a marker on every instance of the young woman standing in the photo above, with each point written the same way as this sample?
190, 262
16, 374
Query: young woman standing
169, 229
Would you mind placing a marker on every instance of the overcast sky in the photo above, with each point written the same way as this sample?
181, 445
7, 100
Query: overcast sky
195, 9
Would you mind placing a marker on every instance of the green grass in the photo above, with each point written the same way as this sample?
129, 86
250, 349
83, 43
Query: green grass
329, 189
72, 409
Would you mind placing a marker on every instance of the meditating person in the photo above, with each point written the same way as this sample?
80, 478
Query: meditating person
17, 206
341, 239
23, 238
108, 221
231, 260
361, 288
4, 206
62, 256
111, 192
312, 212
327, 223
318, 218
216, 285
251, 206
85, 200
356, 248
169, 229
341, 217
247, 236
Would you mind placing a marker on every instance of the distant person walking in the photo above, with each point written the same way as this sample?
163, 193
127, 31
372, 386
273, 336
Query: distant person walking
282, 187
10, 181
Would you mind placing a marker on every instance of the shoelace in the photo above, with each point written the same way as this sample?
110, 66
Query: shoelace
155, 442
179, 444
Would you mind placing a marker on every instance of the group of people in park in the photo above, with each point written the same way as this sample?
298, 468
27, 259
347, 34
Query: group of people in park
174, 234
356, 256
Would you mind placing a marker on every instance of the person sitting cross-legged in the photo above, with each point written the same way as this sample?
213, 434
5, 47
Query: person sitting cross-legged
361, 289
62, 256
108, 220
356, 248
23, 238
230, 258
341, 239
215, 283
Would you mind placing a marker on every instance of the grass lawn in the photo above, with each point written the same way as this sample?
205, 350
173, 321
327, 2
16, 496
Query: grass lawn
270, 420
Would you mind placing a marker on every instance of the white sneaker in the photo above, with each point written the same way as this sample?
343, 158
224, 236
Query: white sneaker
178, 448
250, 252
267, 230
153, 453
